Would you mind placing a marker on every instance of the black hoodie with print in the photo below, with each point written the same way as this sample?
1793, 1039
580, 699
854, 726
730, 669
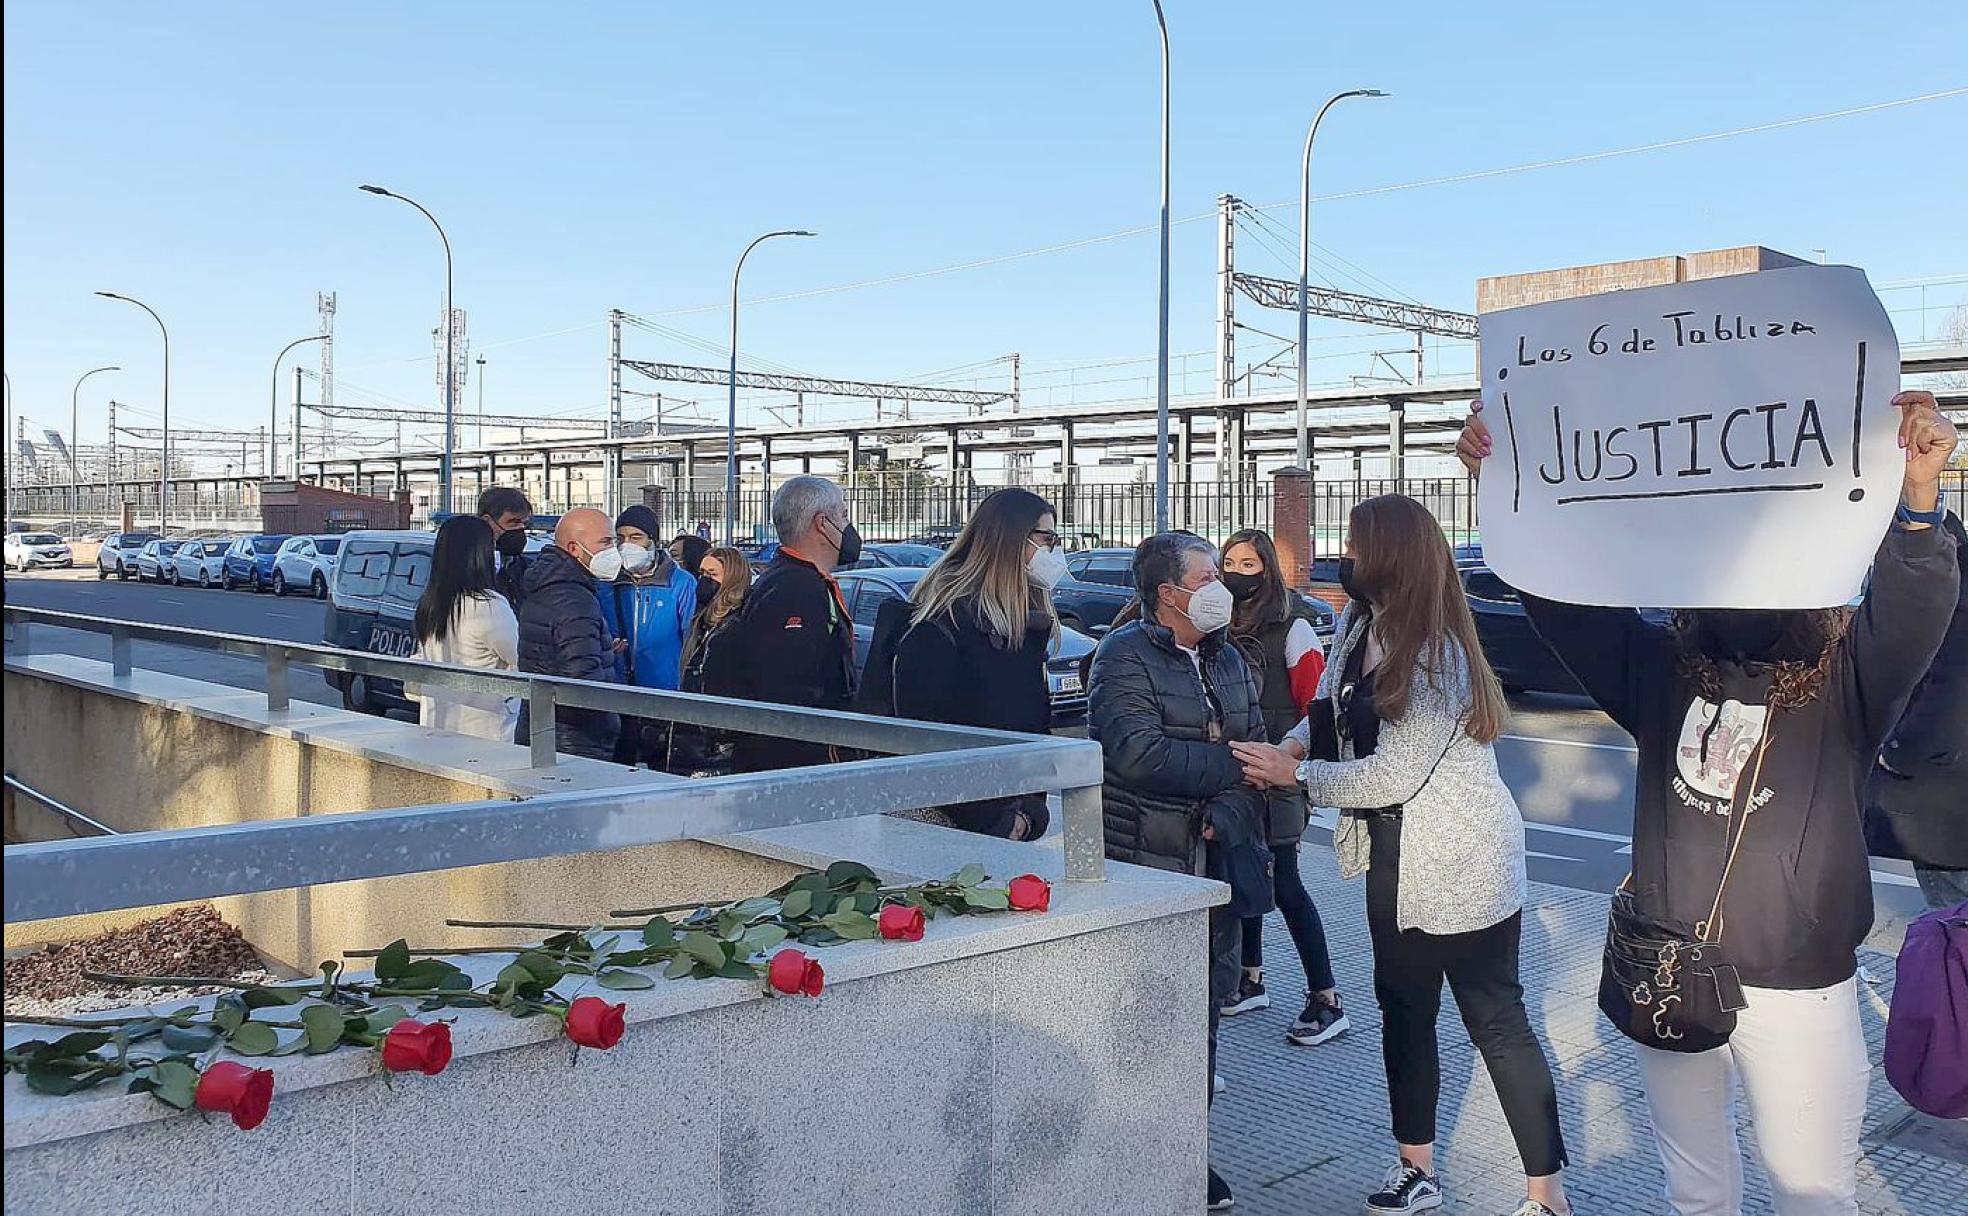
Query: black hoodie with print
1799, 899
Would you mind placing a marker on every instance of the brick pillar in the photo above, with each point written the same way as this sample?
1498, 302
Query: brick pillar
652, 497
1291, 524
402, 500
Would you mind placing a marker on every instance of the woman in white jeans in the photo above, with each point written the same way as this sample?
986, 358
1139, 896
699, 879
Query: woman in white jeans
1756, 733
461, 621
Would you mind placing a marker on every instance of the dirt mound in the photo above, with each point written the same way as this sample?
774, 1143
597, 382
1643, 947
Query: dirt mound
189, 941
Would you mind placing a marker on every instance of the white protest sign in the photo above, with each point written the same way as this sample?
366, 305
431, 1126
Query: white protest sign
1725, 443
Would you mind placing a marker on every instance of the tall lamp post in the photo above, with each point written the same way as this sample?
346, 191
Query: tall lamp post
1162, 332
731, 401
450, 372
273, 410
12, 455
1304, 450
75, 443
164, 453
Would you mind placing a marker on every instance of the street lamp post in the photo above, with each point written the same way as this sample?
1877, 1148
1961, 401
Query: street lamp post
13, 455
1304, 450
75, 444
164, 452
450, 372
273, 411
1162, 332
731, 402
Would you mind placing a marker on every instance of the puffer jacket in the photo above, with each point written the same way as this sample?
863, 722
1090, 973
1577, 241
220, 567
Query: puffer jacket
1149, 710
653, 614
561, 632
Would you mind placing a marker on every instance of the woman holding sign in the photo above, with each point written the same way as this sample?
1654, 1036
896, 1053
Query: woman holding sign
1401, 737
1732, 944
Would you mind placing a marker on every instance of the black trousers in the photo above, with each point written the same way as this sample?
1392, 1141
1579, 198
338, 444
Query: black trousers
1225, 973
1481, 968
1301, 915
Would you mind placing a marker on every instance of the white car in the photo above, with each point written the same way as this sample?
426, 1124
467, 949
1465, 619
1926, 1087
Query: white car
118, 554
154, 559
306, 561
26, 549
200, 561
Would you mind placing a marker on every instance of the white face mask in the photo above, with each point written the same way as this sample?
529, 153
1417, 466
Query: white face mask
1046, 568
1210, 607
635, 557
605, 565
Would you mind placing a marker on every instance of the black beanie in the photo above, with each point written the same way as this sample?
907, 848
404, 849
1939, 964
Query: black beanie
642, 518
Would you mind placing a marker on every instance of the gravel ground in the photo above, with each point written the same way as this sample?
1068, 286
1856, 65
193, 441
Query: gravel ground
189, 941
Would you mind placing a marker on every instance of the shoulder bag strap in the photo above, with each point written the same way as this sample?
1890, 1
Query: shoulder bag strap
1739, 824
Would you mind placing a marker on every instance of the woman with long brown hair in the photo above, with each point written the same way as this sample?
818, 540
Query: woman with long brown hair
1273, 626
980, 628
1407, 757
728, 576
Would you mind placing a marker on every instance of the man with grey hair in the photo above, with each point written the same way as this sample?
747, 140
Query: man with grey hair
792, 641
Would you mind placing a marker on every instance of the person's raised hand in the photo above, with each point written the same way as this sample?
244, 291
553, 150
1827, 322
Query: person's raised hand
1474, 443
1929, 440
1265, 765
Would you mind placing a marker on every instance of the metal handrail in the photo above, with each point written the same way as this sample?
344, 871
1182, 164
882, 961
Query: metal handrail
929, 765
57, 806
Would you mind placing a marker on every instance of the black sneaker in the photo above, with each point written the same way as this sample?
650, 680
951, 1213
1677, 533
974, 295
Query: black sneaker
1407, 1189
1322, 1020
1251, 995
1219, 1194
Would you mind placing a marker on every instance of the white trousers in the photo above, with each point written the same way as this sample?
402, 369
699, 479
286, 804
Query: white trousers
1801, 1058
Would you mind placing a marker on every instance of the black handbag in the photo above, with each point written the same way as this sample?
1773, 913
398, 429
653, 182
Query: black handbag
1668, 985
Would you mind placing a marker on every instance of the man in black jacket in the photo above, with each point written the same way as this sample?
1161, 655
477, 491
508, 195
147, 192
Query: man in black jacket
561, 632
792, 641
507, 509
1168, 694
1917, 796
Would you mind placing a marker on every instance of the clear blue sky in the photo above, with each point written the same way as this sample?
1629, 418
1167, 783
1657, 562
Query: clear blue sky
205, 157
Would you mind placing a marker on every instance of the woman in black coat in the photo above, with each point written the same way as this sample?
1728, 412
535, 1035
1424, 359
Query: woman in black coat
980, 627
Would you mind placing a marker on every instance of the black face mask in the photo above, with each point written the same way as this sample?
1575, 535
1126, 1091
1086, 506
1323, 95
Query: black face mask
1757, 635
511, 544
1243, 586
850, 547
1346, 581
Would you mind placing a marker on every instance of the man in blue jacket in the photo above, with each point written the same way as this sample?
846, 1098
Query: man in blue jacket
647, 609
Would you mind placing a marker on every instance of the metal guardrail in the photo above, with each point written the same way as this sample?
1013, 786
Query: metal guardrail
926, 764
57, 806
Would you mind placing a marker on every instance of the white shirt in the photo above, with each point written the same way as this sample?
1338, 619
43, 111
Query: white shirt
483, 634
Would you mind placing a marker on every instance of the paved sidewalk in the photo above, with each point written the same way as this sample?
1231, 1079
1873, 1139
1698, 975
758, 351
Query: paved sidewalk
1303, 1130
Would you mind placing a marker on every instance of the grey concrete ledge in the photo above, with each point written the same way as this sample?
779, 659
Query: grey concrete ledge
893, 847
504, 768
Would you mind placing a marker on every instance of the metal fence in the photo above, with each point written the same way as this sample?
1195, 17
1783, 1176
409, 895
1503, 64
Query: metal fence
917, 764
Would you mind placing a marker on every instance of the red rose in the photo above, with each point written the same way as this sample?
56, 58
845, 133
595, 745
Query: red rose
236, 1090
795, 974
593, 1022
1029, 893
901, 923
413, 1046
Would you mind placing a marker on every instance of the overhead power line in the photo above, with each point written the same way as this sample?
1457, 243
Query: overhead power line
679, 373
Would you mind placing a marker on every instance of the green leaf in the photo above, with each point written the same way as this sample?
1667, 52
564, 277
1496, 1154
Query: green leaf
545, 968
680, 967
253, 1039
512, 975
324, 1025
797, 904
425, 973
705, 948
289, 1043
80, 1043
624, 981
854, 926
658, 934
760, 939
735, 970
754, 908
174, 1082
266, 998
970, 875
844, 874
384, 1018
988, 899
394, 958
228, 1014
57, 1078
193, 1039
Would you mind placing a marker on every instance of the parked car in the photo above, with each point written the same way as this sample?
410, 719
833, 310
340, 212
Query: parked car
249, 562
906, 555
940, 537
372, 600
118, 554
1098, 584
29, 549
154, 558
200, 561
1520, 658
867, 590
306, 561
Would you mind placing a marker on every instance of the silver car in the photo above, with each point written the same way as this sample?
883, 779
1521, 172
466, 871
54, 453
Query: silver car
200, 561
306, 561
29, 549
154, 559
118, 555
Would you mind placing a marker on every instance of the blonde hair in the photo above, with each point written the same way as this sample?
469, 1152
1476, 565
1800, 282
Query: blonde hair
986, 567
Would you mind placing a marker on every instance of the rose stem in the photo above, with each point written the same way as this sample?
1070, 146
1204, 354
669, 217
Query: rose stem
531, 924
